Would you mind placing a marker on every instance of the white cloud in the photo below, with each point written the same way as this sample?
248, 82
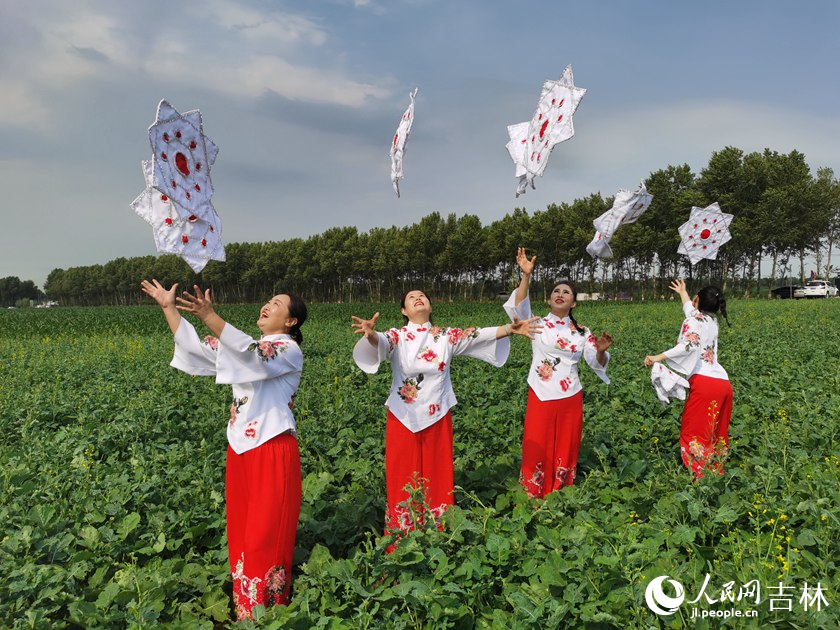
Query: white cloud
20, 106
280, 28
690, 132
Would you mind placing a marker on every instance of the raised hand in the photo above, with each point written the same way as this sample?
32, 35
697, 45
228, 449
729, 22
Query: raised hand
366, 327
678, 287
527, 266
164, 297
603, 342
199, 304
526, 327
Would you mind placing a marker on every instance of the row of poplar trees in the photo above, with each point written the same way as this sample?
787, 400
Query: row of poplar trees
783, 214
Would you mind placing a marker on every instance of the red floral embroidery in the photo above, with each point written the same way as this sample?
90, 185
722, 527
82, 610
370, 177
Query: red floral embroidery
212, 342
441, 366
268, 350
393, 338
428, 355
410, 389
454, 335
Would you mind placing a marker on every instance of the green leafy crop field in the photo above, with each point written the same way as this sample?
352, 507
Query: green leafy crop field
112, 481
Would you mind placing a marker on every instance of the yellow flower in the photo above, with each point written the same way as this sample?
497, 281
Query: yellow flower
782, 517
823, 517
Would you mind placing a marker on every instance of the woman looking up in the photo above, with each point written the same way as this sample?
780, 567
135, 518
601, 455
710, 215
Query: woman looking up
708, 408
418, 433
262, 475
554, 415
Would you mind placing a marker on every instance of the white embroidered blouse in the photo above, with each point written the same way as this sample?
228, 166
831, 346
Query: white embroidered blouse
696, 351
421, 390
557, 350
264, 374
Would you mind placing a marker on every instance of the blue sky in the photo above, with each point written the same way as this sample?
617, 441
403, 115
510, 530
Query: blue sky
303, 99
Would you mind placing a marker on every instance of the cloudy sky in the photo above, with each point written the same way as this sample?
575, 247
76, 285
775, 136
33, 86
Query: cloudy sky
303, 99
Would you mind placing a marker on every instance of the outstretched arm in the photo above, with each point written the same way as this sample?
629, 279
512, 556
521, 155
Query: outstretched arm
165, 299
527, 266
201, 306
525, 327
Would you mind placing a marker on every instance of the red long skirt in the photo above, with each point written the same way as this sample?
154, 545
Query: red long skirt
422, 459
263, 492
550, 443
705, 424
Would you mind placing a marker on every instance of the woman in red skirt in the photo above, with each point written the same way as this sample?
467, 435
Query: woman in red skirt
418, 434
708, 408
262, 479
554, 416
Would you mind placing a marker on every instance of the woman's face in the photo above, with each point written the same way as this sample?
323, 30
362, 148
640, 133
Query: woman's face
274, 316
417, 307
561, 300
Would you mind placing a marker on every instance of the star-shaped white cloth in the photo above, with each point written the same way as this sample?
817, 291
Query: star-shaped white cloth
667, 383
183, 156
704, 232
197, 240
176, 200
627, 208
532, 142
398, 144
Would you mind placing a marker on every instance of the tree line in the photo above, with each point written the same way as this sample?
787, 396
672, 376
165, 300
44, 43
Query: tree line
15, 291
782, 213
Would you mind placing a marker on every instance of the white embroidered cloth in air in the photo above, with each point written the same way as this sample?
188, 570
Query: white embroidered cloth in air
627, 207
399, 142
531, 142
704, 232
176, 200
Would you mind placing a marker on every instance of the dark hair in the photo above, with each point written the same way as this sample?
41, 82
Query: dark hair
571, 285
402, 303
297, 309
710, 300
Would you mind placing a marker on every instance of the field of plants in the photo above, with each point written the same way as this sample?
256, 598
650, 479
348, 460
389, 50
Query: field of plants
112, 481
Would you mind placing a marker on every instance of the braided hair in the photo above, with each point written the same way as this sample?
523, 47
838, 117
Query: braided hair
297, 309
711, 300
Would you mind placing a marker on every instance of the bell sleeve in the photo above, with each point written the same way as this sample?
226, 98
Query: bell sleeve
192, 355
683, 356
521, 311
242, 359
368, 358
480, 343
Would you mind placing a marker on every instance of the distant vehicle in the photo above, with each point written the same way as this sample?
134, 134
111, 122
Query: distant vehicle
788, 292
820, 288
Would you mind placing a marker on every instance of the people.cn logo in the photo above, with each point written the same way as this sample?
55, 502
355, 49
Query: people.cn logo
658, 601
